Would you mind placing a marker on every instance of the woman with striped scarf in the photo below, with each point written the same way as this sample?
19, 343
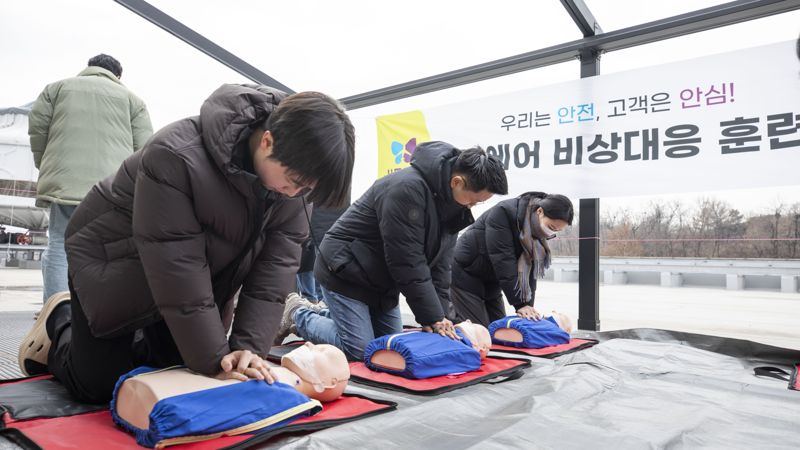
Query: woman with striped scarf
504, 252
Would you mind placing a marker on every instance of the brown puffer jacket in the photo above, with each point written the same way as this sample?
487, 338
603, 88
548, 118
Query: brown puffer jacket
181, 226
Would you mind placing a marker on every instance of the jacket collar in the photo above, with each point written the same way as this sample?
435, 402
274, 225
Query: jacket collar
227, 119
95, 71
434, 161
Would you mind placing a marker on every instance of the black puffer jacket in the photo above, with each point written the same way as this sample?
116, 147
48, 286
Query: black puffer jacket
485, 259
399, 237
182, 225
322, 219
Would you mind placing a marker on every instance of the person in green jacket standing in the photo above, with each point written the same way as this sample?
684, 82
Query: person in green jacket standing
81, 129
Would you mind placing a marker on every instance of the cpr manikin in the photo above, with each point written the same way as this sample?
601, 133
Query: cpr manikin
476, 334
320, 372
549, 330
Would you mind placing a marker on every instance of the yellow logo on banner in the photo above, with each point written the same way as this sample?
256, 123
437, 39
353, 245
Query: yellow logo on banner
398, 136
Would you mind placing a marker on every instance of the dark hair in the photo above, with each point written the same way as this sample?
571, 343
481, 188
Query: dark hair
108, 63
315, 140
481, 171
555, 206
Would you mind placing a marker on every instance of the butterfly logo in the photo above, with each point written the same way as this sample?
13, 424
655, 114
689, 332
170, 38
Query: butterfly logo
403, 153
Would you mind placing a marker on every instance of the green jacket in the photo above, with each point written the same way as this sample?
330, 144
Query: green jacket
81, 130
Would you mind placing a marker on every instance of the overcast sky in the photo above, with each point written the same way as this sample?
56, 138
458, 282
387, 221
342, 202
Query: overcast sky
344, 48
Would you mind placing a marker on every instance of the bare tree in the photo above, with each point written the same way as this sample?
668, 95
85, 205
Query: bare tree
710, 229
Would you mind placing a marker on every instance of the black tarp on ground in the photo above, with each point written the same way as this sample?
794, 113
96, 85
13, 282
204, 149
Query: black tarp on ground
637, 389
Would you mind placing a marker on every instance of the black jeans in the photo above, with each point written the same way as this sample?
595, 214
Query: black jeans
478, 309
89, 366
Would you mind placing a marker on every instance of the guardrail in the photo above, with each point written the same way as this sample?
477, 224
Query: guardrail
733, 274
23, 256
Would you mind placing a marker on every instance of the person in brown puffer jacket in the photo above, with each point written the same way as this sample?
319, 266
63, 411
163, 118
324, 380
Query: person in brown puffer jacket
211, 204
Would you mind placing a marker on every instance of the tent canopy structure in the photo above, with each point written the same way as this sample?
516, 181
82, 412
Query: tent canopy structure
594, 43
381, 58
639, 388
588, 51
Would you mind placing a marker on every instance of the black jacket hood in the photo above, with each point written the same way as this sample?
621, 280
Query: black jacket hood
435, 160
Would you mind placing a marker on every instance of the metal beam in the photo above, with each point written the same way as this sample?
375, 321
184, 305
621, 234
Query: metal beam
196, 40
692, 22
583, 17
590, 62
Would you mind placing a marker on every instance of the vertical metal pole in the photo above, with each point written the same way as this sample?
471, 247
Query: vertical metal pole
589, 233
589, 265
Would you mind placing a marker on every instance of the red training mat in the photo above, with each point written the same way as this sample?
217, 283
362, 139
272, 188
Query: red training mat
491, 367
96, 430
548, 352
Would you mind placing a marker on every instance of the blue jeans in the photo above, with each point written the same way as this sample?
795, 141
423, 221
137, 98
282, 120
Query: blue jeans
347, 324
54, 258
307, 286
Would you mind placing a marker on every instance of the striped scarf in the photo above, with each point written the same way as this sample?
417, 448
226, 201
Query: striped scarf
535, 252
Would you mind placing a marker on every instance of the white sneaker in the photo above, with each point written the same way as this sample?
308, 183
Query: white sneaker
32, 356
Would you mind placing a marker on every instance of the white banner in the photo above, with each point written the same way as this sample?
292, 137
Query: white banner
727, 121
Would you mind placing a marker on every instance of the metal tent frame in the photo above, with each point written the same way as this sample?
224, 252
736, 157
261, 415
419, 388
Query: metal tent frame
588, 50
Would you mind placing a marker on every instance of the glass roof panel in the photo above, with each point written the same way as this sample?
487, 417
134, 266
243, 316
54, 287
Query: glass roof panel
616, 14
346, 48
767, 30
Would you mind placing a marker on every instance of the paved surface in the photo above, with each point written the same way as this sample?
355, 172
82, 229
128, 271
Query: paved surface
20, 297
13, 327
762, 316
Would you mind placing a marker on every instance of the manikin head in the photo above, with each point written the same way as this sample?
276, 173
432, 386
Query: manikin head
478, 335
323, 370
562, 320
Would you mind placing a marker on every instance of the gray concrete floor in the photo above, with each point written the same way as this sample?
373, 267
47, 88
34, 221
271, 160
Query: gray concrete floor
763, 316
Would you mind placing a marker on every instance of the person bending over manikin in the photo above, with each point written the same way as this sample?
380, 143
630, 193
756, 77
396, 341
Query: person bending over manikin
425, 355
515, 331
320, 372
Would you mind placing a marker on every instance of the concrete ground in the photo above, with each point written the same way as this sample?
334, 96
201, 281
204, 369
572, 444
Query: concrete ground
20, 289
763, 316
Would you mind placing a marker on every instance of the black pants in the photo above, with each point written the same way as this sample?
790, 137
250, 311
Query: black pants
483, 309
90, 366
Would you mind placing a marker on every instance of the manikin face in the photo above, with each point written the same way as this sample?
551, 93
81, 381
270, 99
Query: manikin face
478, 335
274, 176
323, 370
563, 321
